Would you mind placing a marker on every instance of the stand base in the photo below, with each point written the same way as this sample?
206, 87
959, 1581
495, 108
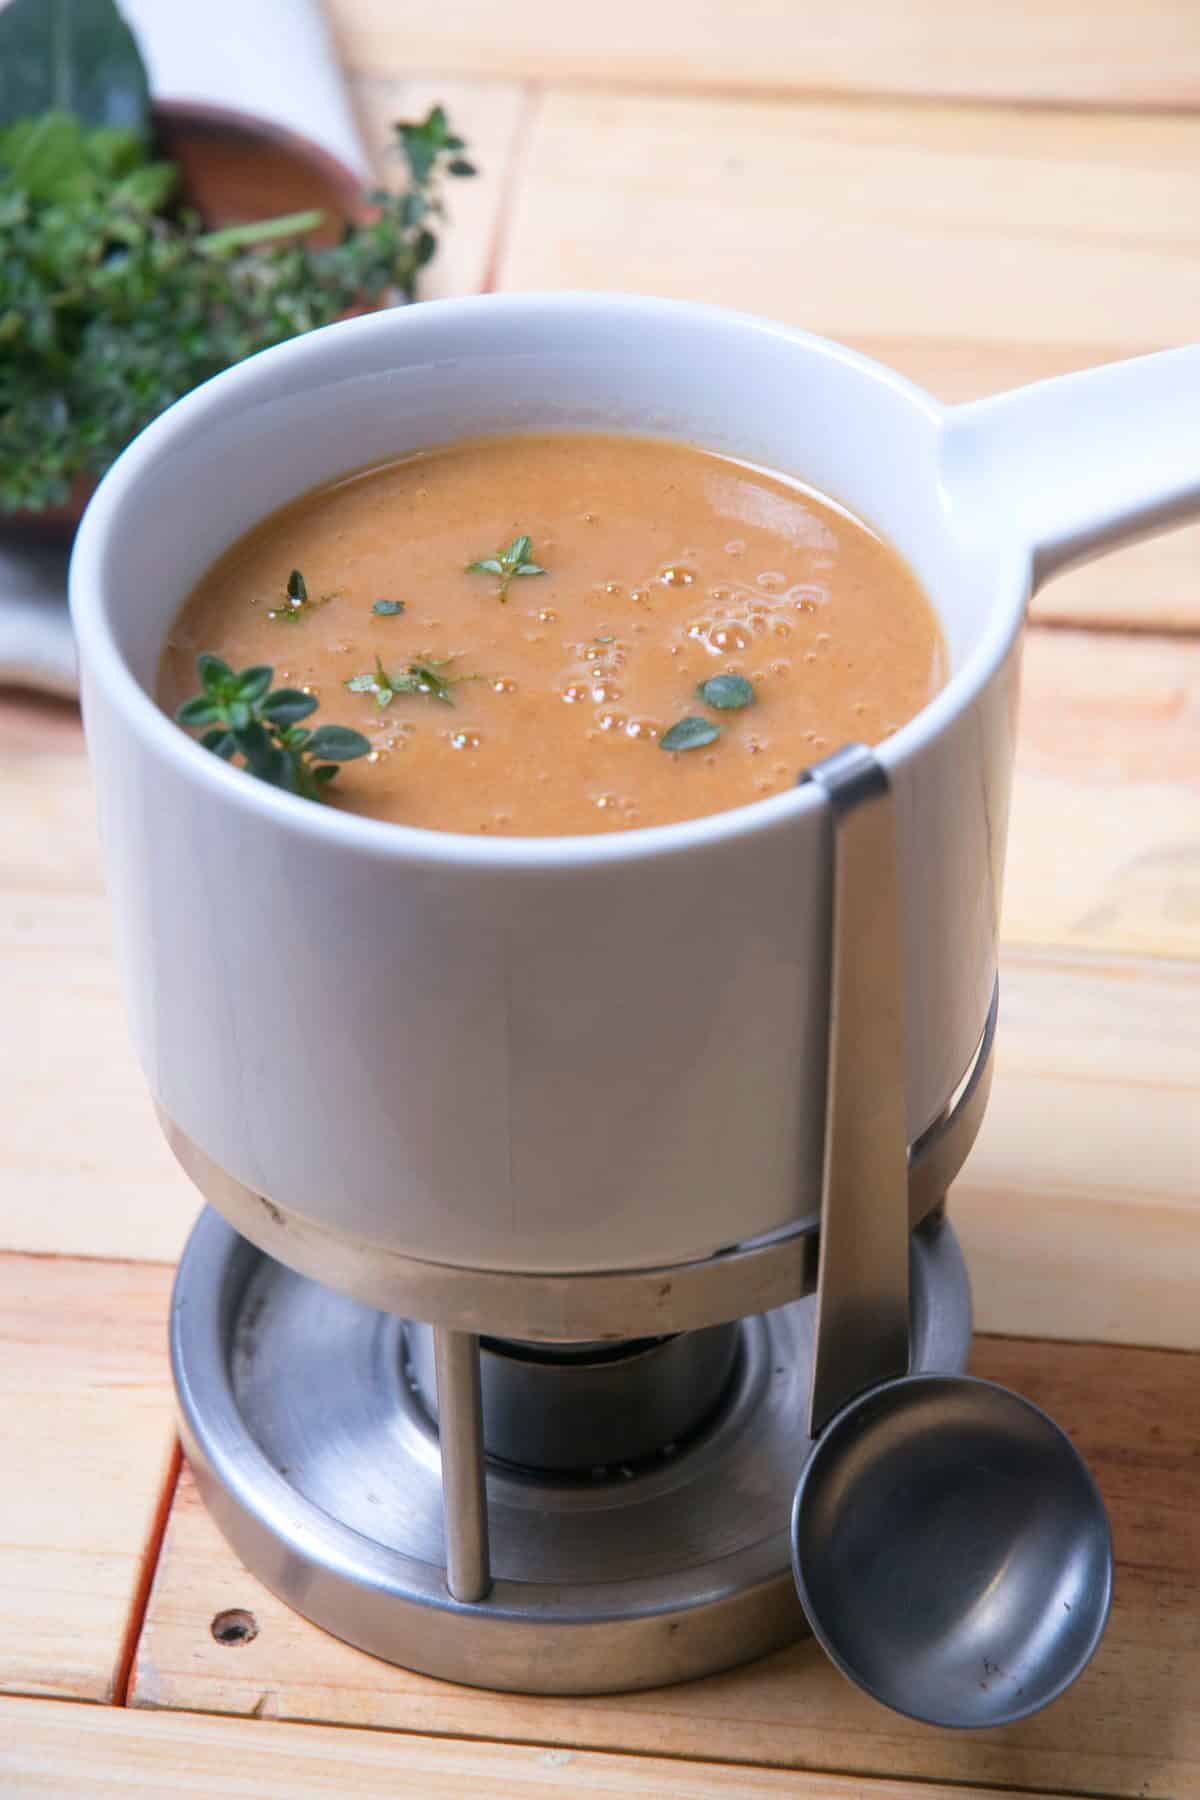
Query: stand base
319, 1464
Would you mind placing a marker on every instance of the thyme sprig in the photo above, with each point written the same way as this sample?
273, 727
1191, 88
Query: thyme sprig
245, 717
507, 564
422, 676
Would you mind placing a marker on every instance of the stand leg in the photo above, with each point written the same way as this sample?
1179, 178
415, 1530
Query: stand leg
464, 1493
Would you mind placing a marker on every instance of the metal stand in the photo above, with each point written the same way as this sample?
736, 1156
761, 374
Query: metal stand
315, 1453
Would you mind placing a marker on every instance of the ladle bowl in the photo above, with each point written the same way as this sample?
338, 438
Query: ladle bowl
952, 1552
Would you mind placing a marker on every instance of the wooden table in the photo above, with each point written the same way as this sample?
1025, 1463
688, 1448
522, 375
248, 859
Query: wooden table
980, 194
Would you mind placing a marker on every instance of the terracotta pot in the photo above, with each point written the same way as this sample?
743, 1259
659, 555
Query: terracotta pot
234, 168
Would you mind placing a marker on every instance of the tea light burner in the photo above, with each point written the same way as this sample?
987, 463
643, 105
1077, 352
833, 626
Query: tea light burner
569, 1483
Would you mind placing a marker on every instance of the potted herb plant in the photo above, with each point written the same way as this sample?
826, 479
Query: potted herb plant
145, 247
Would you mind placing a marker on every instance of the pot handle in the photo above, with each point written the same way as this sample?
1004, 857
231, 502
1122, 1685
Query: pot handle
1080, 464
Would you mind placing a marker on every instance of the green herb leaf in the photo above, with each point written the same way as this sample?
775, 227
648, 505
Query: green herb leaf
297, 601
690, 734
216, 676
508, 563
253, 683
262, 728
380, 683
76, 56
337, 743
47, 156
728, 693
413, 207
147, 189
287, 706
259, 231
429, 679
387, 609
199, 711
249, 734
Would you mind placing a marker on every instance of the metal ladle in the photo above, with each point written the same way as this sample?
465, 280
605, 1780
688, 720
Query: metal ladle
951, 1550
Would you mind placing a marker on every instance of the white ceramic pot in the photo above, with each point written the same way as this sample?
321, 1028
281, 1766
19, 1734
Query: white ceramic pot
578, 1053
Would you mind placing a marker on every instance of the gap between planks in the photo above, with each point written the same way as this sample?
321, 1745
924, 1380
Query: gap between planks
518, 155
1135, 55
147, 1569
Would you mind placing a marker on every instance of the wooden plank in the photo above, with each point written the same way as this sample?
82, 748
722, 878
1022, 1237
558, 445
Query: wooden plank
83, 1167
1079, 1208
1121, 53
1153, 586
1104, 846
488, 115
1130, 1726
968, 248
88, 1426
53, 1749
993, 226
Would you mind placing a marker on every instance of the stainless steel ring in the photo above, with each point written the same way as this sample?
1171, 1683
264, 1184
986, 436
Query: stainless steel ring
316, 1459
745, 1279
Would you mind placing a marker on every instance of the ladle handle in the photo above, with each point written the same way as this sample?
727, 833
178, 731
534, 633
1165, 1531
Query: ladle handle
1081, 464
862, 1326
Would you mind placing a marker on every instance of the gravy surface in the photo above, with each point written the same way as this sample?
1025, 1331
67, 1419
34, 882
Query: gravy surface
664, 566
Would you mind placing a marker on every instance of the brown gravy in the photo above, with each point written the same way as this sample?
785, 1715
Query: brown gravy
664, 566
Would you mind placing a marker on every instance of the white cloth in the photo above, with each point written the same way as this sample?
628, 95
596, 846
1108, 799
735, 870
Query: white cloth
37, 649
